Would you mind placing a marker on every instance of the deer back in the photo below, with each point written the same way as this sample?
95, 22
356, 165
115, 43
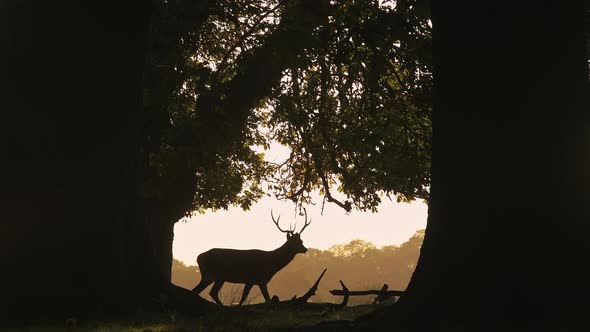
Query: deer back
243, 266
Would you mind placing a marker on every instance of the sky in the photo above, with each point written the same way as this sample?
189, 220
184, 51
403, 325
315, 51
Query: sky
395, 223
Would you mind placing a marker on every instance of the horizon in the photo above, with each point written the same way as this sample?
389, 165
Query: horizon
394, 224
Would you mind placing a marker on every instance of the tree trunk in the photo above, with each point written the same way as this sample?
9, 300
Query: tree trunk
161, 238
69, 143
508, 212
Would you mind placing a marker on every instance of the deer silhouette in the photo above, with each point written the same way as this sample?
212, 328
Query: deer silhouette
248, 267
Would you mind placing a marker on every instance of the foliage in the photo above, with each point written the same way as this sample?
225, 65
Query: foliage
353, 248
360, 264
355, 107
345, 85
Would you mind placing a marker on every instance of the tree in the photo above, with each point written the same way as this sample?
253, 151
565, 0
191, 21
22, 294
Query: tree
186, 168
511, 117
91, 193
200, 125
70, 215
221, 79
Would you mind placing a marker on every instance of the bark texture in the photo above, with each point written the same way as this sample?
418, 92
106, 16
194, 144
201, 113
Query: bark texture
72, 237
508, 215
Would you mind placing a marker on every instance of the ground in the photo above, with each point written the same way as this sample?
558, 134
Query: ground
229, 319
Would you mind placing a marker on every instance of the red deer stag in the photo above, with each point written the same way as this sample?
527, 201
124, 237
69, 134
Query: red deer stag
248, 267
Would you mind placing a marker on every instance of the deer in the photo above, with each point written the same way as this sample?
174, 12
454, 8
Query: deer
249, 267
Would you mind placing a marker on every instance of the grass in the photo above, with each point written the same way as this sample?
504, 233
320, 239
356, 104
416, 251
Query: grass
230, 319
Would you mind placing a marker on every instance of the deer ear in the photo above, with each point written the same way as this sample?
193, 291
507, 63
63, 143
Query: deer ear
288, 236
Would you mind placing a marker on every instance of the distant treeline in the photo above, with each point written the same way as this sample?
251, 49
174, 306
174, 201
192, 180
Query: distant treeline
359, 264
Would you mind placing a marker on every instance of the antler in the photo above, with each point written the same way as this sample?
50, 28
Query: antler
277, 223
306, 223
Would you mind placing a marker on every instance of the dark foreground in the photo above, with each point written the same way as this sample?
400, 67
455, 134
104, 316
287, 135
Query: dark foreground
247, 318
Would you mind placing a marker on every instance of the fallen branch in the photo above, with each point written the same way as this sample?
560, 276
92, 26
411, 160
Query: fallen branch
382, 295
345, 292
339, 292
302, 300
311, 292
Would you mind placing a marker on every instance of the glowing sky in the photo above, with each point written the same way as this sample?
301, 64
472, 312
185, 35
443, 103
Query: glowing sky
235, 228
394, 224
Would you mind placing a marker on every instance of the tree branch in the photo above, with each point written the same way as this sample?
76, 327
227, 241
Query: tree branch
261, 70
346, 205
311, 292
345, 293
339, 292
220, 73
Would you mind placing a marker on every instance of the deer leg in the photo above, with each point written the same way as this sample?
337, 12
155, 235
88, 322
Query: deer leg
264, 291
202, 285
215, 291
247, 288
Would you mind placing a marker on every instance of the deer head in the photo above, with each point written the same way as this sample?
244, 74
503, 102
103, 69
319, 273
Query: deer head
294, 242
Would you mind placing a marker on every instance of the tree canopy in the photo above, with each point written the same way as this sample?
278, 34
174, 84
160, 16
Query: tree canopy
346, 85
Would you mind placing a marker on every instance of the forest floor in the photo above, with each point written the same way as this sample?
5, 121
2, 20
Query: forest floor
229, 319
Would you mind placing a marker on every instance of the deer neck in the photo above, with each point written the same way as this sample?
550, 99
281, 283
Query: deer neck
284, 256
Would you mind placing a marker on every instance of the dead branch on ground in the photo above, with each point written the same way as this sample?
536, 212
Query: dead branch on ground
382, 294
